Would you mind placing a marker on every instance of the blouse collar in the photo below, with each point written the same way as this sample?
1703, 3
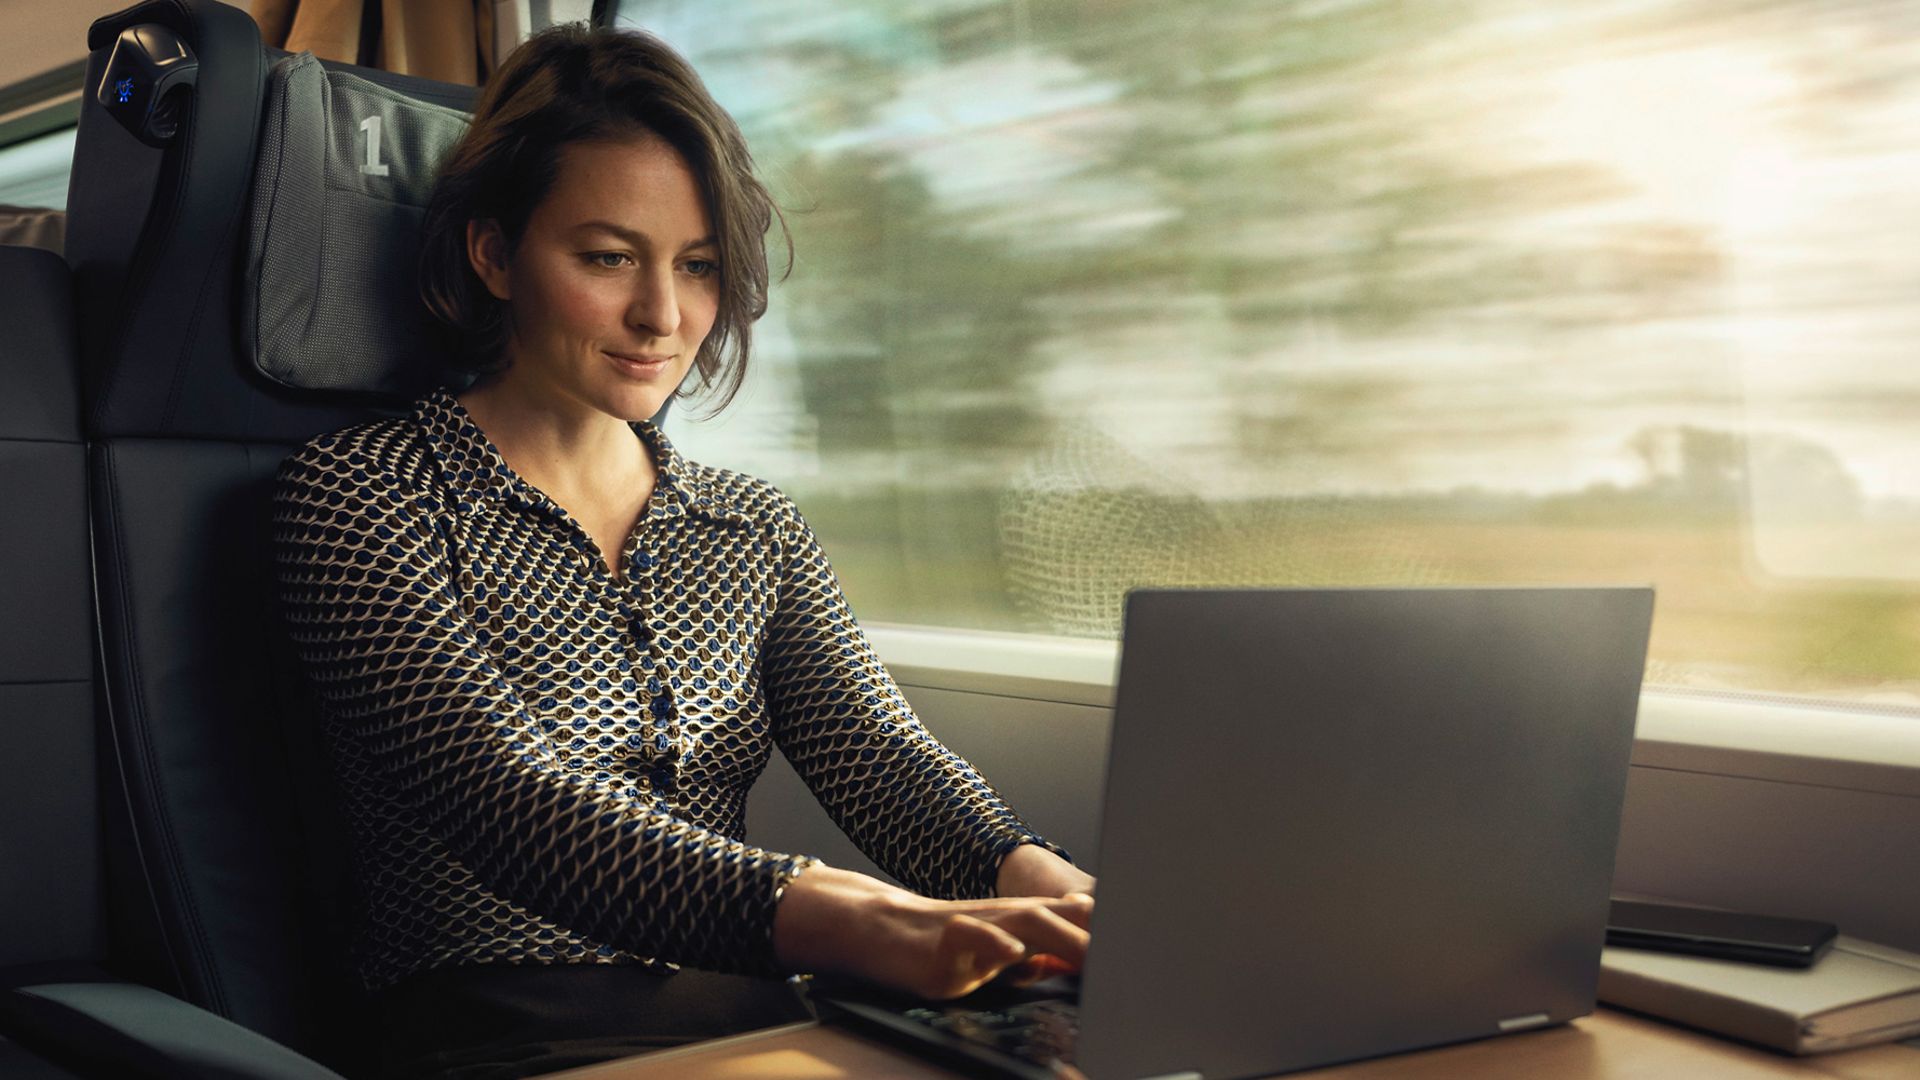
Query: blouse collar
479, 475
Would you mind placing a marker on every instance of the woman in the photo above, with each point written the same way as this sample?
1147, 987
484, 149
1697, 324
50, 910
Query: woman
552, 654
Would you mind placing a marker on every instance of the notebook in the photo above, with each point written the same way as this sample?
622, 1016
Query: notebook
1338, 823
1858, 994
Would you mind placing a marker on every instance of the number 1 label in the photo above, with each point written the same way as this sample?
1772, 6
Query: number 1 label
373, 167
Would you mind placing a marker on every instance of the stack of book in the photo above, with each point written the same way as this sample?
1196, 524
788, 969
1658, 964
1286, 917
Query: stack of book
1857, 994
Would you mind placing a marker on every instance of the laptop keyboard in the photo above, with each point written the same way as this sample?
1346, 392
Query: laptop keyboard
1040, 1032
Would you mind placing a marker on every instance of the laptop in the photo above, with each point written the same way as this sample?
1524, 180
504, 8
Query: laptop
1338, 824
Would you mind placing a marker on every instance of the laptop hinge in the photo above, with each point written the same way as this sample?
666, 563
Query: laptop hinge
1516, 1023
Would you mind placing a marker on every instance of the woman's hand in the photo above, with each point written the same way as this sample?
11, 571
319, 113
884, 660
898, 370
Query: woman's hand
1031, 870
840, 922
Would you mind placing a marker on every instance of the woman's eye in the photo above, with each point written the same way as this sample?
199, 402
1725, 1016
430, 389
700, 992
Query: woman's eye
702, 267
610, 260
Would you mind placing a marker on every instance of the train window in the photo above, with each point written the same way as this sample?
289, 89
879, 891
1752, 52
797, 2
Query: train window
1090, 295
543, 13
33, 172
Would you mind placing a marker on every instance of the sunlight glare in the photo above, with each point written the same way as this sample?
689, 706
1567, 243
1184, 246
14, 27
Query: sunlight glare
1693, 131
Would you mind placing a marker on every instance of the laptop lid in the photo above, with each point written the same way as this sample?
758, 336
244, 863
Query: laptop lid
1348, 822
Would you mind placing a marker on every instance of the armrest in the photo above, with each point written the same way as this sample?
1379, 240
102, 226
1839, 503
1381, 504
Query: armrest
19, 1063
124, 1030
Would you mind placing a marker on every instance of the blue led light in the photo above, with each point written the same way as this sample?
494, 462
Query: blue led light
125, 89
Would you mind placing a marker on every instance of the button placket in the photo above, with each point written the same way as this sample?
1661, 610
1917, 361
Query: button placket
663, 738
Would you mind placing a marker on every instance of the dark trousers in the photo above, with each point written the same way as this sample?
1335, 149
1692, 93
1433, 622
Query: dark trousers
496, 1021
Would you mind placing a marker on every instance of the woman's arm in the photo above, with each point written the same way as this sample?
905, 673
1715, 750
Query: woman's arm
366, 592
1030, 870
915, 807
851, 924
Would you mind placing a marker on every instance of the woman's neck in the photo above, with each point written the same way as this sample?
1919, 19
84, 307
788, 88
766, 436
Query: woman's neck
567, 449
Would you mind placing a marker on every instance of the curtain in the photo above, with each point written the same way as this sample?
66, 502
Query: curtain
446, 40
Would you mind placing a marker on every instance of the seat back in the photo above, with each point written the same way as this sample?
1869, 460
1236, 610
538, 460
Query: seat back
50, 893
52, 919
230, 846
217, 824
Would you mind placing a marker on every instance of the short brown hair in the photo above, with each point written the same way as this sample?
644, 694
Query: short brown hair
569, 84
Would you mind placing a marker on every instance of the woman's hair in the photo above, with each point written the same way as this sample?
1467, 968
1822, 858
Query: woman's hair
569, 84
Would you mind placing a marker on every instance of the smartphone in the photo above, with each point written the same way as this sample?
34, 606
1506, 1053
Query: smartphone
1727, 935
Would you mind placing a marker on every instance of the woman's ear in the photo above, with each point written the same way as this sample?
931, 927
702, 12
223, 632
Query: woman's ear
487, 252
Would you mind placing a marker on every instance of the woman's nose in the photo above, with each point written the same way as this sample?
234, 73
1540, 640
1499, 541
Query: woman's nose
655, 309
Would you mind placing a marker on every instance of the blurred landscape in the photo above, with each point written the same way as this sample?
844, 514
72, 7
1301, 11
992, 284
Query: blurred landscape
1093, 293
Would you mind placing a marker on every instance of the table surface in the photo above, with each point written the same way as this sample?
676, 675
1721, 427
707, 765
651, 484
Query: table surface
1609, 1045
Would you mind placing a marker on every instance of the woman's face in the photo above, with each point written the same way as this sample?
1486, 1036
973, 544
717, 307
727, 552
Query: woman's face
615, 283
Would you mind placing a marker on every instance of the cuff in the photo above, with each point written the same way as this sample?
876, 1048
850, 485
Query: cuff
1005, 846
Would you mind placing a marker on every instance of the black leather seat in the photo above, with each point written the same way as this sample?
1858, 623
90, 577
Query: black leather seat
61, 957
59, 954
52, 918
216, 857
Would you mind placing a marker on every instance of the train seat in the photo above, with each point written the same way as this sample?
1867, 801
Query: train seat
52, 914
214, 837
67, 1012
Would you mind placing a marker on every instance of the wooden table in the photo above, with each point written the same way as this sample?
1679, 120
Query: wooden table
1609, 1045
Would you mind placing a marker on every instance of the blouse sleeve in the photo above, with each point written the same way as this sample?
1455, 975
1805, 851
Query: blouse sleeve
366, 591
915, 807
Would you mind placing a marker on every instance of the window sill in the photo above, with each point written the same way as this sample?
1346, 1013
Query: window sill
1761, 739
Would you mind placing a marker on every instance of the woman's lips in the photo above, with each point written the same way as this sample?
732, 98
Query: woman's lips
640, 365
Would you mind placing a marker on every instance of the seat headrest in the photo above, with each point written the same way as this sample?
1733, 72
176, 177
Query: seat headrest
340, 186
254, 279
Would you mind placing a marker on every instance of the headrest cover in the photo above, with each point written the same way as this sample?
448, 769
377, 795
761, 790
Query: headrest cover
340, 186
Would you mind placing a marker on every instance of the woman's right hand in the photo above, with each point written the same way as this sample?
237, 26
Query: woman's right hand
840, 922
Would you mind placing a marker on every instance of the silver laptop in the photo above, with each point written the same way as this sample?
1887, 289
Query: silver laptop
1339, 823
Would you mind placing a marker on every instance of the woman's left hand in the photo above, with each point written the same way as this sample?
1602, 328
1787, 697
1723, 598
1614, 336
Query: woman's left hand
1031, 870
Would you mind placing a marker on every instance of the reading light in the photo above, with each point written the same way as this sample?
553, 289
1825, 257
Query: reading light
149, 79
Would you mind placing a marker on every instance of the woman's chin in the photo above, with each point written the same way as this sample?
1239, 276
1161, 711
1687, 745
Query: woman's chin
644, 386
631, 403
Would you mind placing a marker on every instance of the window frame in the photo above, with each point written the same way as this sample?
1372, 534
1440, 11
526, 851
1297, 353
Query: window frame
42, 104
1745, 736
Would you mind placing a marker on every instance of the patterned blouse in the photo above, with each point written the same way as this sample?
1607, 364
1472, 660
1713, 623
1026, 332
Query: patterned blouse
542, 764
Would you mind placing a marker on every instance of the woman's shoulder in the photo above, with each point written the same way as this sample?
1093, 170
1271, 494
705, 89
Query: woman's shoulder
385, 452
743, 495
